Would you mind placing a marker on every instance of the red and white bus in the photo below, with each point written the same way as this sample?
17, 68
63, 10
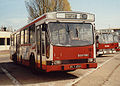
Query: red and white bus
117, 30
106, 42
56, 41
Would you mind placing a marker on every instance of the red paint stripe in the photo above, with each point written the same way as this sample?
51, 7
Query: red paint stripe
111, 46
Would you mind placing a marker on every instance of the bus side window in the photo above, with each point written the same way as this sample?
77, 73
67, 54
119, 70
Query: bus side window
2, 41
18, 38
26, 36
32, 34
38, 39
44, 27
47, 45
8, 41
29, 35
13, 40
22, 37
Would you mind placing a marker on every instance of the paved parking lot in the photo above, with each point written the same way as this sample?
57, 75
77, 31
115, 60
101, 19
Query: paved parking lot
107, 74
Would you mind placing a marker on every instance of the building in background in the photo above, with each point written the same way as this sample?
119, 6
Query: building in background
5, 38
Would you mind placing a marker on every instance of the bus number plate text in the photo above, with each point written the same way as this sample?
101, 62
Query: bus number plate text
75, 66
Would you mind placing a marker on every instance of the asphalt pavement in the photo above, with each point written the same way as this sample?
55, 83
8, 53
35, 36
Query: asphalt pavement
107, 74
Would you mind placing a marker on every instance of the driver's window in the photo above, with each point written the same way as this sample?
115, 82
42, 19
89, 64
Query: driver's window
54, 35
74, 32
32, 34
62, 36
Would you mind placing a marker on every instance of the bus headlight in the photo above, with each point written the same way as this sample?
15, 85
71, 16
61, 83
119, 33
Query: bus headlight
57, 62
91, 60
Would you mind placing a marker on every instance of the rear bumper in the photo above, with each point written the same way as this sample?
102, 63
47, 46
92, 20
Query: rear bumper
68, 67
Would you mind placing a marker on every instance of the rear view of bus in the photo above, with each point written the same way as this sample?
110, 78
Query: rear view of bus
64, 41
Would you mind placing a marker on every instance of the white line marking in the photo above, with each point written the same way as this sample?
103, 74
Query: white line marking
14, 81
51, 84
78, 79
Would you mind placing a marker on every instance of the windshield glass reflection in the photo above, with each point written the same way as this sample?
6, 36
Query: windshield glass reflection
106, 38
71, 34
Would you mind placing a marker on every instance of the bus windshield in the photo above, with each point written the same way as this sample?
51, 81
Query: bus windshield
71, 34
106, 38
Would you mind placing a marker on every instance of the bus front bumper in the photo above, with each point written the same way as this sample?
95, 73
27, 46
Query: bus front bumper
106, 52
68, 67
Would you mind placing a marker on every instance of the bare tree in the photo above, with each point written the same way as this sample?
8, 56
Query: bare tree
6, 28
36, 8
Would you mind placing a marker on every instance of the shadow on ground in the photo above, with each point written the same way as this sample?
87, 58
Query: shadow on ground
25, 76
106, 55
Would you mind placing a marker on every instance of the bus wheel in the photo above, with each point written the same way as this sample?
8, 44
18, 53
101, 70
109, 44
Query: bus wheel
100, 55
14, 58
32, 63
21, 59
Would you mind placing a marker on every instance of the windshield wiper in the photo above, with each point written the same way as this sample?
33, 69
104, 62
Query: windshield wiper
67, 29
76, 32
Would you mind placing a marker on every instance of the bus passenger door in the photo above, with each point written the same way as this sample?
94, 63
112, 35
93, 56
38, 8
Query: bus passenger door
41, 47
18, 45
39, 52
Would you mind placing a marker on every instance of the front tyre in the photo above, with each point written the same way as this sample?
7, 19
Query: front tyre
14, 58
100, 55
32, 64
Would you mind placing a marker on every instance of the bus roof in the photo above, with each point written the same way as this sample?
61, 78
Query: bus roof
62, 15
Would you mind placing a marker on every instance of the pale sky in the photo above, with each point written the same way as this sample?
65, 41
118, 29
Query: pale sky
13, 12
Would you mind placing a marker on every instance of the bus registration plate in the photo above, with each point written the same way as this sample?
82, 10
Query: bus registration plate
75, 66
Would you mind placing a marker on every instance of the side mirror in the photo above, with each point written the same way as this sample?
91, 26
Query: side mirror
44, 27
97, 37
